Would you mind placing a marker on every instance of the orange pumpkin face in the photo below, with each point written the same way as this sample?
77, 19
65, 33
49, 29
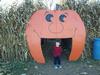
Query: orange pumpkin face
55, 24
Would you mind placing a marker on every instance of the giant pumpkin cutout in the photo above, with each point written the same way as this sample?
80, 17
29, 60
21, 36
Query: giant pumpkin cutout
55, 24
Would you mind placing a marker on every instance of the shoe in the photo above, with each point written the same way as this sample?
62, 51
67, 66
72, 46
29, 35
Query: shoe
56, 67
60, 66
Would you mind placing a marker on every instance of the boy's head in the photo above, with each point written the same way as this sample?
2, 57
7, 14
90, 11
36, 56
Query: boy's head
57, 44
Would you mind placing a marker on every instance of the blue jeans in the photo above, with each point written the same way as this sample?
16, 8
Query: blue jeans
57, 61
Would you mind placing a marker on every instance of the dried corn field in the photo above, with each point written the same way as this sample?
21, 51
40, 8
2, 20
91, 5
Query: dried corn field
13, 45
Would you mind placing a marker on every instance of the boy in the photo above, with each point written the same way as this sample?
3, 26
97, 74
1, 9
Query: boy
57, 50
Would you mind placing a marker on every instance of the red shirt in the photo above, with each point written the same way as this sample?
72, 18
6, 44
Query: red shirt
57, 51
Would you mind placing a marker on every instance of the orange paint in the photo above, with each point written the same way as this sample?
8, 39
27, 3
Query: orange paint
55, 24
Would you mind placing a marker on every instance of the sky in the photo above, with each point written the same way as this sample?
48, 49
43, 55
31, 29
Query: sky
6, 4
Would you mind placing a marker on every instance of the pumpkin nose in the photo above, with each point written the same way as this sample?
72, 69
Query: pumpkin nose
56, 28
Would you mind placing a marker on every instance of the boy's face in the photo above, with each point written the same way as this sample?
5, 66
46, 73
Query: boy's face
57, 44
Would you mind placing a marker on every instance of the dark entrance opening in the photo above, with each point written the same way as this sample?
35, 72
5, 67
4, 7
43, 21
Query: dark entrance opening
47, 47
67, 46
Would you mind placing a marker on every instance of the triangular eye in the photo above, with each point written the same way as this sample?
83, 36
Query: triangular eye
62, 17
49, 17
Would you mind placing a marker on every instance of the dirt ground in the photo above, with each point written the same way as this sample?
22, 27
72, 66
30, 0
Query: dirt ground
88, 67
69, 68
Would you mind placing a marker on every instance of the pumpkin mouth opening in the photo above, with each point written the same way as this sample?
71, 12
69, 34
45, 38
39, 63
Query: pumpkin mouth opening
47, 44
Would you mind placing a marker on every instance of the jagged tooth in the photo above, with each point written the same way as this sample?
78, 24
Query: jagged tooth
78, 43
34, 43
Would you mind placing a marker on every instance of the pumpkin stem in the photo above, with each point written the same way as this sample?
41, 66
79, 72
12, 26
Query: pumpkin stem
58, 7
54, 4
